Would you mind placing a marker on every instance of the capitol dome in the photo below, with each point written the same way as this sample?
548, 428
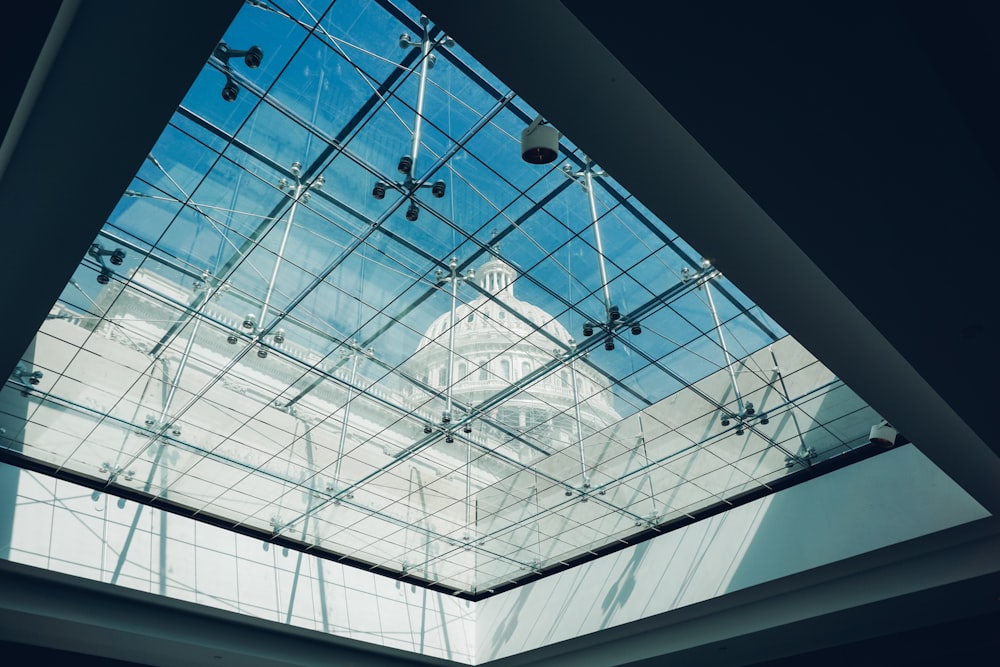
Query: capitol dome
525, 320
503, 346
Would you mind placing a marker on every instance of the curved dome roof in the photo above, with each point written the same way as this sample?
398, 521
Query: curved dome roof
512, 318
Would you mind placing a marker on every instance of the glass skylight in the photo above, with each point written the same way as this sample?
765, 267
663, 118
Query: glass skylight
279, 331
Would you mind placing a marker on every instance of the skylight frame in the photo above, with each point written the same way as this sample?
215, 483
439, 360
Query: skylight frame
481, 247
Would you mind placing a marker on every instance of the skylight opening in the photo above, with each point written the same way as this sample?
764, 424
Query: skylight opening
335, 310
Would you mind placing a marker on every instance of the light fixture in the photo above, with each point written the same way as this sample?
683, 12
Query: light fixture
539, 142
883, 434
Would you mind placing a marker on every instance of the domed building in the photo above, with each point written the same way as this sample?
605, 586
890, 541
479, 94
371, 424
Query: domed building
509, 381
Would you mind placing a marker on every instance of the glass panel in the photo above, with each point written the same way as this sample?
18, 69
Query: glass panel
412, 351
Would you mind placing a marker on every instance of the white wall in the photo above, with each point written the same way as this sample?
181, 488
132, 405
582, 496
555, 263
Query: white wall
59, 526
890, 498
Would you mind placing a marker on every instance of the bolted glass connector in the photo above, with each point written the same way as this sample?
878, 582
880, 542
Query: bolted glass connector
378, 192
279, 336
405, 164
609, 343
613, 313
636, 329
438, 189
588, 329
254, 57
412, 212
230, 90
